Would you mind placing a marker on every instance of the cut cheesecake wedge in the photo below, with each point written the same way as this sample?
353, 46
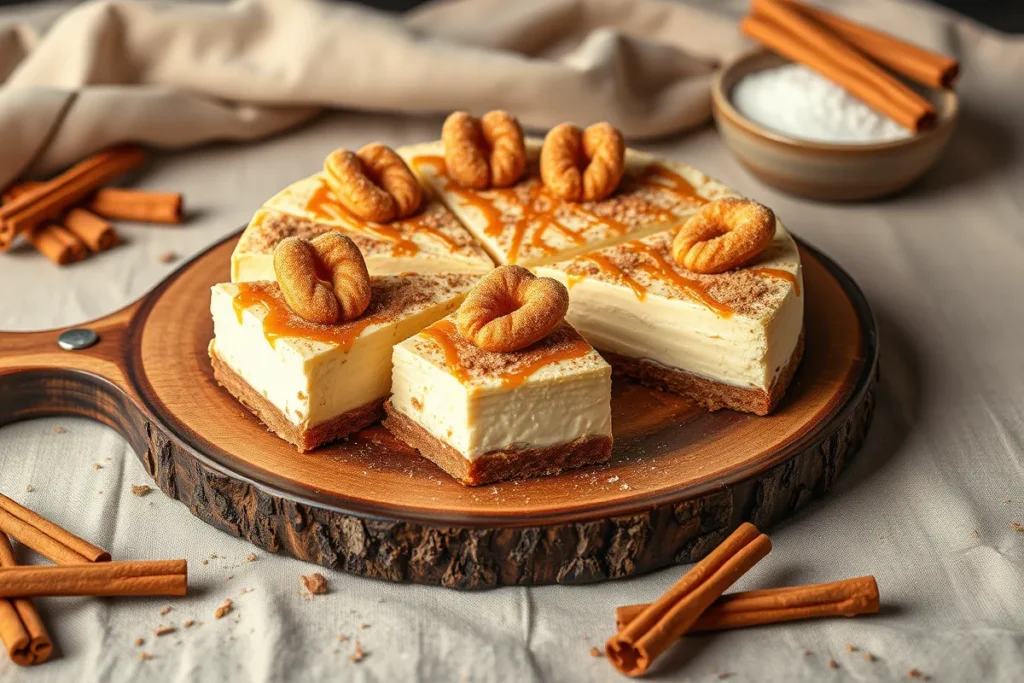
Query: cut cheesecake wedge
527, 225
731, 340
313, 383
431, 241
485, 417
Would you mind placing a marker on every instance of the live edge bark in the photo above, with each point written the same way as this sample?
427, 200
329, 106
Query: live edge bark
473, 558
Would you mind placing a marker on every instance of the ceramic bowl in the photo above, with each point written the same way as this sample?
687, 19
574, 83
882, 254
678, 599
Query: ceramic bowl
825, 171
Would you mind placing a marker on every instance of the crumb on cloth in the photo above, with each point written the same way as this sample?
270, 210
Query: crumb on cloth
315, 583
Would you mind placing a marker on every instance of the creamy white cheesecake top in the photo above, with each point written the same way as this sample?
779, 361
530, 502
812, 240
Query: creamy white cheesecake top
430, 241
526, 224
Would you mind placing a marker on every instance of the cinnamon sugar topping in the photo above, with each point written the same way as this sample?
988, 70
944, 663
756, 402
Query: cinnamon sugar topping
273, 226
442, 344
321, 212
779, 274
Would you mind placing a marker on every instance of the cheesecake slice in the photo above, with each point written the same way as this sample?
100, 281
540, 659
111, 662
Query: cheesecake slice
484, 417
527, 225
730, 340
310, 383
431, 241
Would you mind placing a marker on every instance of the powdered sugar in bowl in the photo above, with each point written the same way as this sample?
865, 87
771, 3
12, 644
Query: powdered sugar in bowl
803, 134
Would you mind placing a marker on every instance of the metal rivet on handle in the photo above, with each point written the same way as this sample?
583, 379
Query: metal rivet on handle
76, 340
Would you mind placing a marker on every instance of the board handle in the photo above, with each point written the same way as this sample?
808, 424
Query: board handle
77, 370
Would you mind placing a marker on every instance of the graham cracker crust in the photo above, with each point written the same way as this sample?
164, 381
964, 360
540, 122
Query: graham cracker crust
498, 465
706, 392
304, 439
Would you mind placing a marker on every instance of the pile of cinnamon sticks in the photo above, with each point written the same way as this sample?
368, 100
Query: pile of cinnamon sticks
853, 56
83, 569
696, 603
67, 217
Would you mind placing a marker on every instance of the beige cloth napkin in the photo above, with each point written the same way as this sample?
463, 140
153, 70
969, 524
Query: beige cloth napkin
175, 74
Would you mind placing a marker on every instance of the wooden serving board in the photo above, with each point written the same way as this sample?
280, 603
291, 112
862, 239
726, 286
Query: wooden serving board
679, 481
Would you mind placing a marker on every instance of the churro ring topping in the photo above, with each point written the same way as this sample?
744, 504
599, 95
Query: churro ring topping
723, 235
580, 165
511, 309
485, 152
299, 265
350, 280
373, 183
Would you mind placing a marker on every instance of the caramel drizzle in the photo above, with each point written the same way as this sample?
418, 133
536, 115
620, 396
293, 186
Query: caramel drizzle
660, 269
579, 349
441, 333
606, 266
539, 208
778, 274
537, 239
281, 321
667, 273
323, 205
445, 335
492, 215
671, 181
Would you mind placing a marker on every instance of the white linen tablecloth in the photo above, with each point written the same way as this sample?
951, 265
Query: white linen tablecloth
927, 506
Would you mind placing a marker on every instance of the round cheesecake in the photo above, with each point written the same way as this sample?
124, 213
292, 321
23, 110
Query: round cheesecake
729, 340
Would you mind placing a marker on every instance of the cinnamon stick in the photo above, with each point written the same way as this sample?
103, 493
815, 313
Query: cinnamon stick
19, 189
56, 244
791, 35
829, 45
21, 630
54, 196
94, 232
634, 648
845, 598
159, 577
45, 537
916, 63
138, 205
51, 240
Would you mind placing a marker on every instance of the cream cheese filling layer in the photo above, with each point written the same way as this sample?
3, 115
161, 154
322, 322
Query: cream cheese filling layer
737, 350
311, 381
475, 420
